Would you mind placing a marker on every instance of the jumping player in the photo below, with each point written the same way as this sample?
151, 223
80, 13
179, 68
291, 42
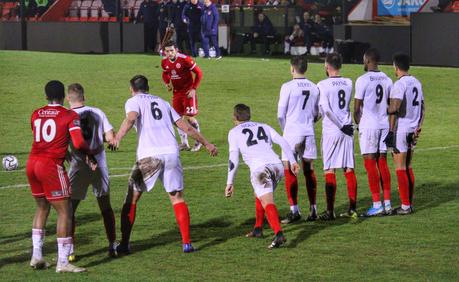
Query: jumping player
337, 135
95, 127
407, 113
254, 141
297, 111
53, 127
157, 157
177, 75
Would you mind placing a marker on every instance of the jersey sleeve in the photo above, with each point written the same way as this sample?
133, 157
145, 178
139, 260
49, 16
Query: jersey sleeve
165, 75
283, 144
131, 106
105, 123
189, 63
73, 121
359, 89
283, 101
398, 90
233, 161
174, 115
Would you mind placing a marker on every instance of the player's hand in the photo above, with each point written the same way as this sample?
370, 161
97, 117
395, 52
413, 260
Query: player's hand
169, 87
212, 149
92, 162
229, 190
348, 129
295, 168
390, 142
191, 93
114, 144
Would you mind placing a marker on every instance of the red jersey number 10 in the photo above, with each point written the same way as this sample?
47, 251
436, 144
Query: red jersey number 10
47, 131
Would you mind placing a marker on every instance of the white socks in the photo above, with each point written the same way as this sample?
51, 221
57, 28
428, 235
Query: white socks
387, 203
38, 237
183, 136
376, 205
63, 247
294, 209
405, 207
314, 208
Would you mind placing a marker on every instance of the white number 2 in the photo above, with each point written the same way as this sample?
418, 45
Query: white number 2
48, 131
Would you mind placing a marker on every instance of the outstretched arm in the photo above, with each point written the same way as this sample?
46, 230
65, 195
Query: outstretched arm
126, 125
191, 131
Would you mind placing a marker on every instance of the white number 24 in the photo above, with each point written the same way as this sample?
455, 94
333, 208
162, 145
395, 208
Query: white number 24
47, 131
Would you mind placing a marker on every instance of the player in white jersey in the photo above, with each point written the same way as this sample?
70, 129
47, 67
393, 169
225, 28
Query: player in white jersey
297, 111
157, 157
370, 113
407, 113
337, 134
254, 141
95, 128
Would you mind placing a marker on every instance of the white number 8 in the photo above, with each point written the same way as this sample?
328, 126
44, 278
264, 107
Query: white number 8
49, 125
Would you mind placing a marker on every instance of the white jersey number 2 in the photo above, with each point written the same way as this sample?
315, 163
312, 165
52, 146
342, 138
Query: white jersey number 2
47, 131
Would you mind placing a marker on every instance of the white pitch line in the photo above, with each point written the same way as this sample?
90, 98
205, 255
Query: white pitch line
211, 166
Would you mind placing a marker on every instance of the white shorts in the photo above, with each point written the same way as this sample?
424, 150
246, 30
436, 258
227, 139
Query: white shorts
304, 146
338, 151
81, 176
404, 141
264, 179
372, 140
167, 168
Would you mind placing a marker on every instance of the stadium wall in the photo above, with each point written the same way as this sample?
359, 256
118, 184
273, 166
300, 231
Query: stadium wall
435, 39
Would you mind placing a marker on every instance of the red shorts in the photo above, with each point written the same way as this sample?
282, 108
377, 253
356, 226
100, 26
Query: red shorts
48, 178
185, 106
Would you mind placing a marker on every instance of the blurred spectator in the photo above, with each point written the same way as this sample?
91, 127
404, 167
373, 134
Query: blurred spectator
192, 17
307, 25
149, 15
272, 3
323, 34
262, 32
442, 5
42, 5
294, 43
109, 7
180, 27
209, 28
165, 17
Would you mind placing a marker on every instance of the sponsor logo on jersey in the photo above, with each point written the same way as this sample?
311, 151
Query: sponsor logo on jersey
178, 65
48, 113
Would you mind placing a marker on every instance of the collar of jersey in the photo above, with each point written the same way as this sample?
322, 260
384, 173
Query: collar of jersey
55, 105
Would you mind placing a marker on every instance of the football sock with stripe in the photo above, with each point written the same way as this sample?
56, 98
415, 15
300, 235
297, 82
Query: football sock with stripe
330, 190
127, 221
403, 187
373, 179
385, 177
183, 220
259, 214
291, 187
351, 182
273, 217
38, 237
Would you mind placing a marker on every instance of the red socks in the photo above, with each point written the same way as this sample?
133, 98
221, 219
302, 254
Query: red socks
127, 221
403, 186
311, 183
259, 214
291, 187
411, 183
183, 220
373, 178
109, 223
385, 177
132, 210
351, 182
273, 217
330, 190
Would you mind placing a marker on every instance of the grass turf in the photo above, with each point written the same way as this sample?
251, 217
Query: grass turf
423, 246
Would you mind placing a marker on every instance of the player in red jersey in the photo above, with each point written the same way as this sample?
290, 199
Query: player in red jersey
177, 75
53, 126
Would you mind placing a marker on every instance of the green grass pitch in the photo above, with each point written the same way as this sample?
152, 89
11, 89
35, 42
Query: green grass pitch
422, 246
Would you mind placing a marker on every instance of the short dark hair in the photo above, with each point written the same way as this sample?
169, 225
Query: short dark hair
299, 63
55, 90
242, 112
170, 43
76, 87
139, 83
372, 54
402, 61
334, 60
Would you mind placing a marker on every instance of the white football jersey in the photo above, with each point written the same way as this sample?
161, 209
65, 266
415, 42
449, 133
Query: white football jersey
373, 89
94, 124
154, 125
335, 96
298, 106
254, 141
409, 90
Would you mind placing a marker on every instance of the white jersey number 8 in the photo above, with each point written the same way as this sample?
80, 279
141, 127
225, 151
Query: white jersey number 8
48, 131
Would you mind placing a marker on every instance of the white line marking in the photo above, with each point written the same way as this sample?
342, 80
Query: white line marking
208, 166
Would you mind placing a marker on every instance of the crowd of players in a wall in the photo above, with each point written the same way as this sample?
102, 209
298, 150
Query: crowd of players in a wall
388, 115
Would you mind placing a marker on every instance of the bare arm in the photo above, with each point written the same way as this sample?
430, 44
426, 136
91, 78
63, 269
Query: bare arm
109, 136
357, 110
126, 125
394, 107
189, 130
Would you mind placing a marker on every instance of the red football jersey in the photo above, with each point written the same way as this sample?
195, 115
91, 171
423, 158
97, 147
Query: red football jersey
51, 126
179, 72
